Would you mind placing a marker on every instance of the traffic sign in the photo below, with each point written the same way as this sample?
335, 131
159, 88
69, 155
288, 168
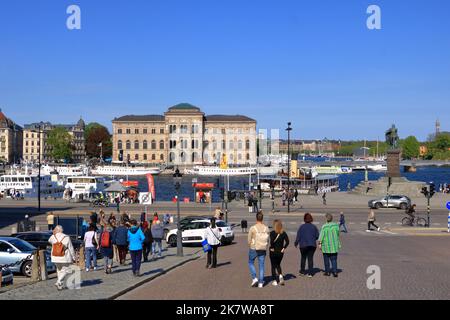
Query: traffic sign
448, 205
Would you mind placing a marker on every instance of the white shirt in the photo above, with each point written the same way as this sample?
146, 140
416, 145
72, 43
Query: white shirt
88, 236
212, 235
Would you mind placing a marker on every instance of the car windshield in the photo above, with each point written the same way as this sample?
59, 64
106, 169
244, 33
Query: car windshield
221, 224
22, 245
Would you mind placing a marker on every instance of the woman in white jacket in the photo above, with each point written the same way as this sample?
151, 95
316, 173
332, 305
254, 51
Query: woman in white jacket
62, 262
212, 235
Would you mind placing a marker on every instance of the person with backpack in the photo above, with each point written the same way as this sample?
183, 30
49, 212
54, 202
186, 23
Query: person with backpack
279, 241
135, 239
90, 248
106, 247
121, 241
62, 255
158, 235
212, 236
147, 247
258, 240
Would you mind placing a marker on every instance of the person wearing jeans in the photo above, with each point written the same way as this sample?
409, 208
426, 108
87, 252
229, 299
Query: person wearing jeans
157, 234
330, 244
258, 240
307, 236
136, 239
90, 248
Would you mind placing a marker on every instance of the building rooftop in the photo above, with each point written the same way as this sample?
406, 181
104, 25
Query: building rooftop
144, 118
184, 106
228, 118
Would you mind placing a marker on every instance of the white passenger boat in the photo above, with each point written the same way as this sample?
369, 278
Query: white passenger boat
217, 171
27, 185
121, 171
85, 186
63, 171
332, 170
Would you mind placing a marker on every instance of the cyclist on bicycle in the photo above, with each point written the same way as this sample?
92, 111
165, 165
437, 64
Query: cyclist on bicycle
411, 211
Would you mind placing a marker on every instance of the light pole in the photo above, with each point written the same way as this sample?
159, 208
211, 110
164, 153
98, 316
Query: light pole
177, 182
289, 129
39, 166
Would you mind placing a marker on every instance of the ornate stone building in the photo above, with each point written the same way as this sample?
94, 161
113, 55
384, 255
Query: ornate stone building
31, 146
184, 136
10, 140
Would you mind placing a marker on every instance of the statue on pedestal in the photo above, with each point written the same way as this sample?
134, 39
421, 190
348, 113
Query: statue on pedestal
392, 137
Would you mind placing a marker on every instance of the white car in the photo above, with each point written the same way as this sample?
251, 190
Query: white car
194, 232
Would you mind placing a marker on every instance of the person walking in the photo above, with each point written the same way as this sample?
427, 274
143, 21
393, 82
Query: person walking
106, 247
330, 244
279, 241
371, 221
296, 195
147, 247
244, 226
324, 198
258, 240
62, 255
157, 234
217, 213
306, 240
135, 239
250, 203
90, 248
283, 197
50, 221
342, 222
212, 235
94, 218
121, 241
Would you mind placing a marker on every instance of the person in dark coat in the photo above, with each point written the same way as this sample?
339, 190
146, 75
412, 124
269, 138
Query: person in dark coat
307, 236
148, 242
121, 241
106, 247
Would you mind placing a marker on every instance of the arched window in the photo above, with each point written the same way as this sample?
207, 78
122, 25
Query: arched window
214, 144
153, 157
224, 145
248, 156
153, 144
136, 157
161, 144
136, 144
240, 144
119, 144
231, 144
144, 144
194, 157
171, 157
183, 156
128, 144
145, 157
247, 144
161, 157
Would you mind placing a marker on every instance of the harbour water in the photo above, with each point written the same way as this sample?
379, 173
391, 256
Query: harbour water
165, 188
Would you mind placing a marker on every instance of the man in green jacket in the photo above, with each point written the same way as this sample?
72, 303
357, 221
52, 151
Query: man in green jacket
330, 245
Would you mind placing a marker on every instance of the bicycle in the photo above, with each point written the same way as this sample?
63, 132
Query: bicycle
414, 221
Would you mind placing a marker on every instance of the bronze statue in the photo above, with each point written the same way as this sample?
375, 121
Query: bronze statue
392, 137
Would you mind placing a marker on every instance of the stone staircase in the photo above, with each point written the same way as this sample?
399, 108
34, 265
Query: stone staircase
401, 186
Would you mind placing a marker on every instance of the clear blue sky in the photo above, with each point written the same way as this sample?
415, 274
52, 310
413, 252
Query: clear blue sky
311, 62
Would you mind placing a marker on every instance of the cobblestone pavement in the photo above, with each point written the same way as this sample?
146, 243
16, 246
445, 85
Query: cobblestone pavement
411, 268
98, 285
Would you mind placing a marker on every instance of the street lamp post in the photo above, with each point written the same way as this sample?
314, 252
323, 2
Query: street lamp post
289, 129
39, 167
177, 182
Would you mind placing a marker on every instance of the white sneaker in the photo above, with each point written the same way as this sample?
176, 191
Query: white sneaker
95, 268
281, 280
378, 228
260, 285
367, 230
254, 282
87, 269
274, 283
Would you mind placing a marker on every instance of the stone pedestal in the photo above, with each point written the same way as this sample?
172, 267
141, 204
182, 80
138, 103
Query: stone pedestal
393, 163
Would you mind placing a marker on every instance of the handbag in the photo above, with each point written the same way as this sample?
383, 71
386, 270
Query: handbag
206, 246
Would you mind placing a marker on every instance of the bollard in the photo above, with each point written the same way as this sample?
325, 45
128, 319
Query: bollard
81, 258
43, 265
39, 266
13, 230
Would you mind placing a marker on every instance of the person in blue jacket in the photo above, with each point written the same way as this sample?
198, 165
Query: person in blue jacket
135, 239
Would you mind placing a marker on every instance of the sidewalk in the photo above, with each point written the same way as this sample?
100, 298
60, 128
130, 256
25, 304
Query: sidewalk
100, 286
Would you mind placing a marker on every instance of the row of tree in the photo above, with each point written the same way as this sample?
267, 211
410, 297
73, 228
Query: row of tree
97, 138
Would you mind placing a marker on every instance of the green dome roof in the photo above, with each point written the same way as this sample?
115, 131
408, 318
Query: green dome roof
184, 106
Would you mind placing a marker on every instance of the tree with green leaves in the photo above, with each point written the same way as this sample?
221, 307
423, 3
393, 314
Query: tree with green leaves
98, 140
60, 142
410, 147
439, 148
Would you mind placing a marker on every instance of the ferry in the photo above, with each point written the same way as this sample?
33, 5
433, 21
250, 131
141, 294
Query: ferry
121, 171
218, 171
332, 170
27, 185
372, 167
307, 185
85, 186
63, 171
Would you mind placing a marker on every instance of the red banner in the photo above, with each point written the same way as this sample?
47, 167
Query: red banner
151, 186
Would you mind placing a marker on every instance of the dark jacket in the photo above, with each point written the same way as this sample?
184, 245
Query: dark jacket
278, 242
148, 236
307, 235
121, 236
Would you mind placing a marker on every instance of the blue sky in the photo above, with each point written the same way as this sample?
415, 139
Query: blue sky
313, 62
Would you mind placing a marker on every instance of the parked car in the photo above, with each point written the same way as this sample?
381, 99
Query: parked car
183, 222
392, 201
15, 250
193, 232
7, 277
39, 239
